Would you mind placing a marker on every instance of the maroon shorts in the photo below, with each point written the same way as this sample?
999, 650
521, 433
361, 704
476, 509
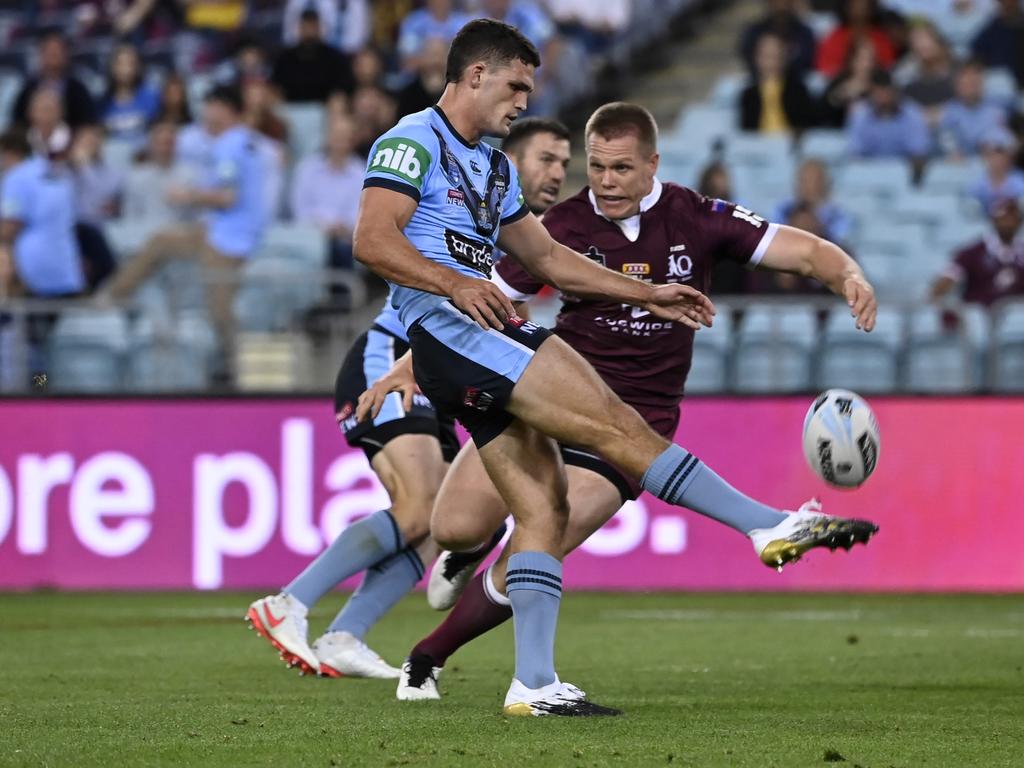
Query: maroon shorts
663, 421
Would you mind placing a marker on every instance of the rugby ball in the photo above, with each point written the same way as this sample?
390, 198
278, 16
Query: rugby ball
841, 438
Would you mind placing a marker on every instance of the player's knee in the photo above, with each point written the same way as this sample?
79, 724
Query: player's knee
457, 535
412, 515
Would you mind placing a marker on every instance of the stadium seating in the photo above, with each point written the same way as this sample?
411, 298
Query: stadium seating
709, 371
824, 144
87, 350
856, 360
940, 356
774, 348
274, 292
307, 128
1008, 348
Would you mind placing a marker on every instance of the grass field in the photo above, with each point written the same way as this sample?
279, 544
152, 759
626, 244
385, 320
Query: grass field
706, 680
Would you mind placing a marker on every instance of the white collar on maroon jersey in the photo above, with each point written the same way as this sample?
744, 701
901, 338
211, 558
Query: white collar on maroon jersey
631, 227
1003, 252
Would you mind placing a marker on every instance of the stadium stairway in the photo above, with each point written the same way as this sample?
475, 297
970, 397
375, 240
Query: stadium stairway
693, 64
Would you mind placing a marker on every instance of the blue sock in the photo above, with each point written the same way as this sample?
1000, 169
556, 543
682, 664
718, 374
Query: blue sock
680, 478
534, 586
357, 548
383, 585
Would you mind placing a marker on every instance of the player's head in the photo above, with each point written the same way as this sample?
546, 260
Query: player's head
492, 63
622, 157
1006, 218
222, 108
539, 148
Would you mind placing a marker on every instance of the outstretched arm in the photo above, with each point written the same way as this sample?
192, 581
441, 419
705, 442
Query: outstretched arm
793, 250
380, 243
571, 272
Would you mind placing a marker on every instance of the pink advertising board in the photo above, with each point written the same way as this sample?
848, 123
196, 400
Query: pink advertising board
208, 494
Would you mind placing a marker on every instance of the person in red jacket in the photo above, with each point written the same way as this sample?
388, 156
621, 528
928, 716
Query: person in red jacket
857, 19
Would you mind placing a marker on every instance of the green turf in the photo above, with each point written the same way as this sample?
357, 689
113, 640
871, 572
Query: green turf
705, 680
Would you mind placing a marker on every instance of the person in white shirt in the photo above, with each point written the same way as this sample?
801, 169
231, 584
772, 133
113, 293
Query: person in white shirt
149, 180
326, 188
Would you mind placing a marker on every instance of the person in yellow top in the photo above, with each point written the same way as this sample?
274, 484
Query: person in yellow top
221, 15
776, 99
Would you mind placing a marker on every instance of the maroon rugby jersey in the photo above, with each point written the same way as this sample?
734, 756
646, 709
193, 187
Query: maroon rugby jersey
644, 359
989, 270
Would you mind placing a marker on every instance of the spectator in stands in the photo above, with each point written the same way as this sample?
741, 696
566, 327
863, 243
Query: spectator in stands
46, 120
234, 198
969, 116
851, 85
426, 88
347, 27
260, 110
593, 25
1000, 179
813, 191
211, 24
992, 268
174, 101
325, 190
958, 20
311, 70
858, 19
437, 19
927, 73
143, 20
782, 20
98, 187
38, 250
368, 68
776, 100
374, 112
999, 44
887, 125
248, 60
713, 181
537, 26
150, 180
129, 105
77, 103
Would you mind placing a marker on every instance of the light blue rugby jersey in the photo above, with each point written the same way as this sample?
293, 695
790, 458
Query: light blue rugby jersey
464, 191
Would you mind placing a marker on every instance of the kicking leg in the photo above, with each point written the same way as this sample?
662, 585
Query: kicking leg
589, 414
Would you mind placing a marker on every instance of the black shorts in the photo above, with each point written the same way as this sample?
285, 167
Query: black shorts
469, 371
370, 357
661, 420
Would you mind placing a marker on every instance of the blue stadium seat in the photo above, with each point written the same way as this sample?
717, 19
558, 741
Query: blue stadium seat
886, 178
711, 352
298, 242
1000, 85
824, 144
940, 356
946, 176
274, 292
774, 349
10, 85
306, 122
166, 365
725, 93
86, 350
857, 360
1008, 348
698, 128
930, 208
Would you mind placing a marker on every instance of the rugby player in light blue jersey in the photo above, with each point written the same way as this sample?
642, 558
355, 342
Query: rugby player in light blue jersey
409, 446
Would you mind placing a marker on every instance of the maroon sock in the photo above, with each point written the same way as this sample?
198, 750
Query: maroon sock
473, 615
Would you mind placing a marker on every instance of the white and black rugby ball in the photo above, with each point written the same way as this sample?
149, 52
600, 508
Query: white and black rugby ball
841, 438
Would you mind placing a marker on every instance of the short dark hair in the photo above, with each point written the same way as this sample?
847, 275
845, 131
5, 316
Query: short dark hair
309, 14
525, 128
15, 142
620, 118
487, 40
225, 94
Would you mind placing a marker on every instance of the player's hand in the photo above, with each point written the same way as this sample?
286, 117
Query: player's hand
483, 301
399, 379
681, 303
860, 297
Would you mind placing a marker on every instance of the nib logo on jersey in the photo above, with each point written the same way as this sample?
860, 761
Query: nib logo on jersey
403, 158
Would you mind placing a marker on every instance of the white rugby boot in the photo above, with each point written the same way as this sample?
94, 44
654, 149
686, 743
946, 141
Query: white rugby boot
418, 681
806, 529
452, 571
342, 654
281, 619
557, 699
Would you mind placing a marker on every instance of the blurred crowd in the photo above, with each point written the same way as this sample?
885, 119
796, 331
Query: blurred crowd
906, 79
142, 111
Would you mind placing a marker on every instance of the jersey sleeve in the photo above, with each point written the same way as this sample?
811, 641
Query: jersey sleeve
14, 197
733, 232
402, 159
513, 205
514, 280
